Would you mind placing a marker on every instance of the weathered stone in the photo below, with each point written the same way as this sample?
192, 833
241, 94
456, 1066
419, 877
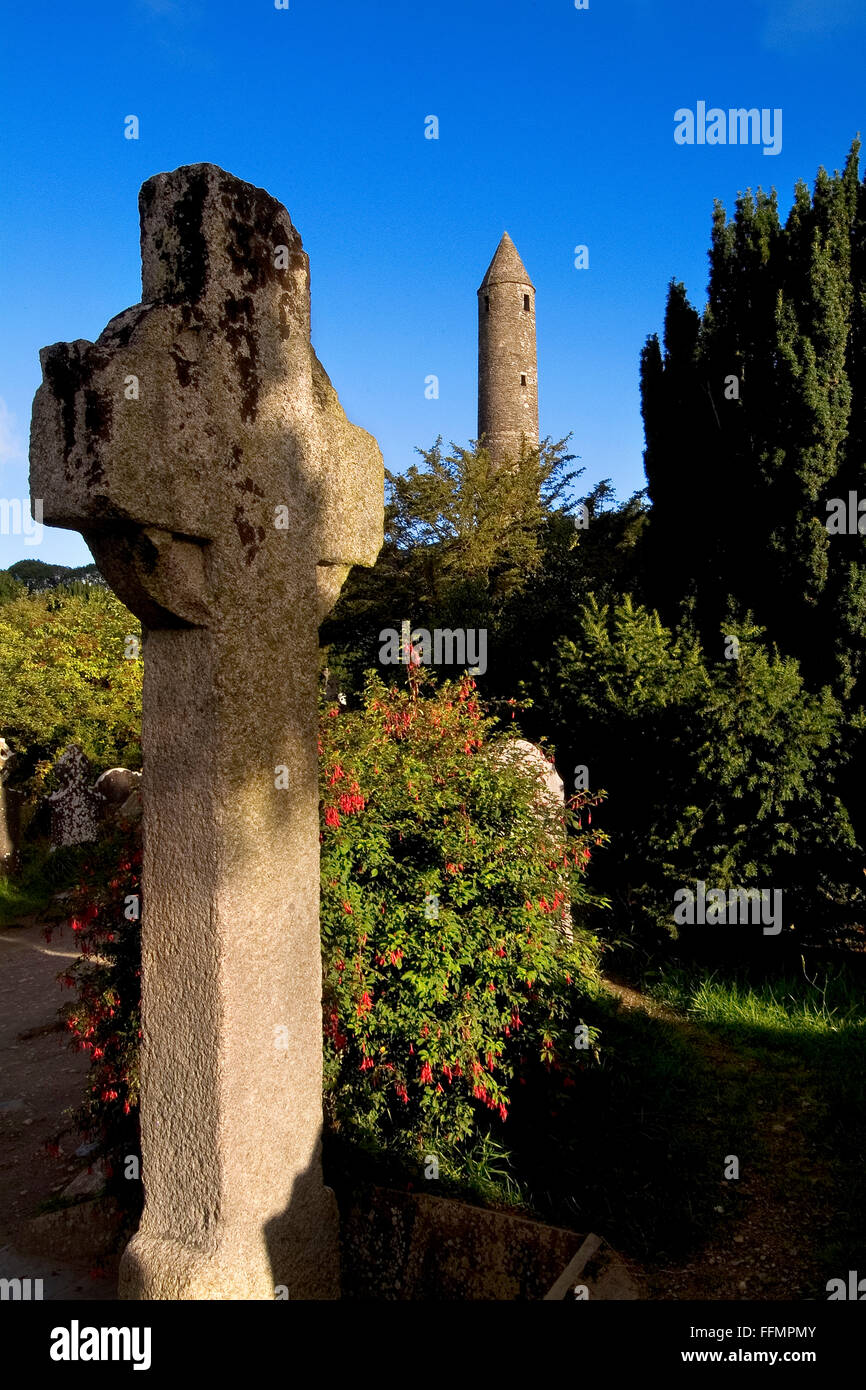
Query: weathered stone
116, 786
10, 813
132, 809
76, 805
201, 450
596, 1273
551, 790
550, 797
414, 1246
88, 1183
82, 1231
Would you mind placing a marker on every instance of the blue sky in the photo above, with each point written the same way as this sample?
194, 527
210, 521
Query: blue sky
555, 123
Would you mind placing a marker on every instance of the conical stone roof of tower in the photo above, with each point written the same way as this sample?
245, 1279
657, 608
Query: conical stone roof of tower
506, 266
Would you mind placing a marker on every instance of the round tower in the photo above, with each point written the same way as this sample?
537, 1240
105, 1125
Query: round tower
507, 364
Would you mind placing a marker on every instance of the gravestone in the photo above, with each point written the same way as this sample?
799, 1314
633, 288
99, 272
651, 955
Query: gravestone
550, 794
10, 812
115, 787
551, 790
76, 805
201, 450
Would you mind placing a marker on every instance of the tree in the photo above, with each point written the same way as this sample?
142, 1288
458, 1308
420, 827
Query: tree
718, 765
10, 587
462, 538
753, 419
68, 674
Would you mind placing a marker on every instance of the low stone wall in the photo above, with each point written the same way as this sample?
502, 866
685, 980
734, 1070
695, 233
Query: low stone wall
413, 1246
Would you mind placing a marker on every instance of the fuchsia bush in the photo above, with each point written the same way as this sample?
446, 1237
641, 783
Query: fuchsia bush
446, 883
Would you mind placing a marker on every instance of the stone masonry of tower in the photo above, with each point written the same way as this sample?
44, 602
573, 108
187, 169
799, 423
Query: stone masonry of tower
507, 363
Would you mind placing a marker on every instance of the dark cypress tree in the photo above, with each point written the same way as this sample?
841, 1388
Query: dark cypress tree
676, 482
754, 420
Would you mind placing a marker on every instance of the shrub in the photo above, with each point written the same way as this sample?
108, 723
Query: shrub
718, 769
104, 1018
449, 964
447, 881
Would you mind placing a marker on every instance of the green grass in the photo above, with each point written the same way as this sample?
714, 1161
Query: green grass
636, 1151
807, 1031
31, 891
19, 901
794, 1010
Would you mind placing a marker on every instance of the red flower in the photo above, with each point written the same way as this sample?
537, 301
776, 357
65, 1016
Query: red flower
332, 816
426, 1073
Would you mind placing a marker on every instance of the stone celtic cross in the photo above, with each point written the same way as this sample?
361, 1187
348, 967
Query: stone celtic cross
202, 452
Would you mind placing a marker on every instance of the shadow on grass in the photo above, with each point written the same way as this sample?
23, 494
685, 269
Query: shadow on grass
807, 1033
637, 1149
637, 1152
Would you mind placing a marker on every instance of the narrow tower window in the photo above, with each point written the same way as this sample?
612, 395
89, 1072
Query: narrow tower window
487, 303
526, 303
523, 380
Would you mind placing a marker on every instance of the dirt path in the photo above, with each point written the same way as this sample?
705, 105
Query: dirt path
779, 1213
783, 1192
41, 1079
